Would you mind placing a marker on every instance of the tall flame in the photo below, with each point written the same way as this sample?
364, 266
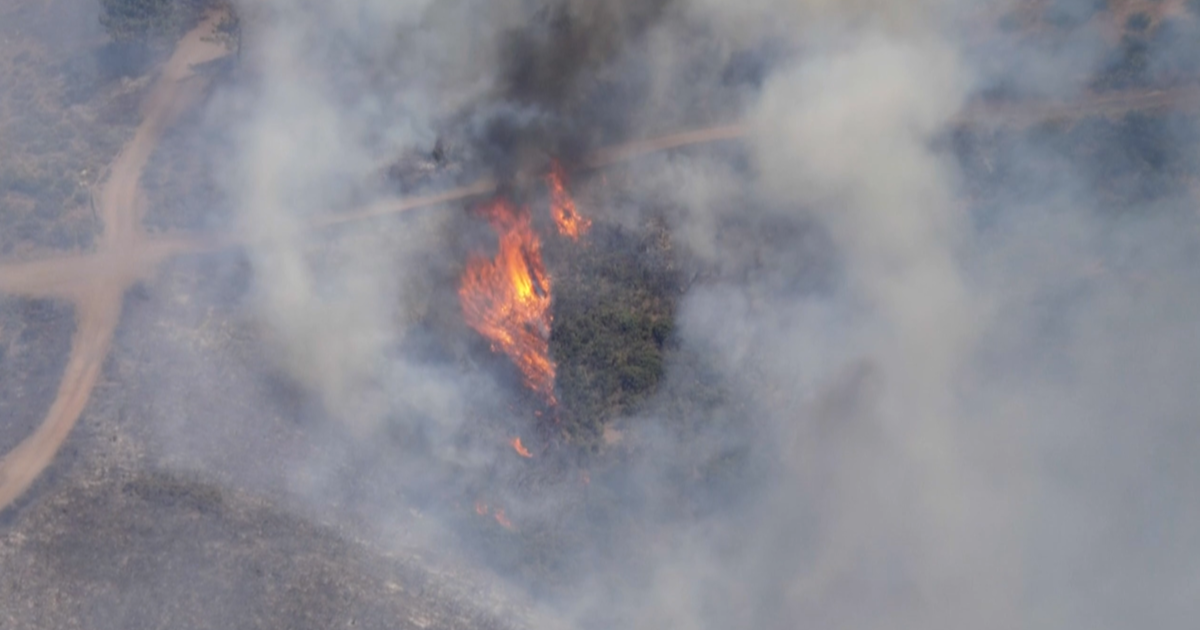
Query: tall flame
507, 298
562, 207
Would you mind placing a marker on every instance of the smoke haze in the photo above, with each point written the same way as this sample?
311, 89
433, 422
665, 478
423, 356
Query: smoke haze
924, 374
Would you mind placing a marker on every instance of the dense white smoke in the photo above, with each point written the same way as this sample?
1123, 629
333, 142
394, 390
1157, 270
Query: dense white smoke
969, 423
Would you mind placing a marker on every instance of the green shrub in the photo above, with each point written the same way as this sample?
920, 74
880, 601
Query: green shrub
613, 313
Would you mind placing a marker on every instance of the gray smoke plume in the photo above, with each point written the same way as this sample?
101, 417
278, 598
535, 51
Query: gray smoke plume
953, 365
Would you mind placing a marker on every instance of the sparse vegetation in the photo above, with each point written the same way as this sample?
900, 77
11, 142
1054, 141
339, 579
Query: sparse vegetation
144, 20
57, 136
1132, 165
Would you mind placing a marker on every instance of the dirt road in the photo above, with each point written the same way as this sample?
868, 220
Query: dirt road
1109, 105
1016, 114
96, 283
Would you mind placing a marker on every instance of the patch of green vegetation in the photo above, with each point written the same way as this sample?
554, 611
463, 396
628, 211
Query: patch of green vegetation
142, 20
613, 319
230, 26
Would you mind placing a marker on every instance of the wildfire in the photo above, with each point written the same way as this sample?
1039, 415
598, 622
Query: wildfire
562, 207
482, 509
520, 448
507, 298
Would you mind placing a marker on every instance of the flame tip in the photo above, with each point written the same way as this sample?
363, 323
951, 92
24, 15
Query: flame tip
520, 448
562, 207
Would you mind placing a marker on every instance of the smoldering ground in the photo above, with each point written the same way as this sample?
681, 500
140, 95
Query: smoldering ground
918, 375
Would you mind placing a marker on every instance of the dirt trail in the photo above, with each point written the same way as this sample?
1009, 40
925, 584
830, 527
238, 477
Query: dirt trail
1017, 114
122, 204
96, 283
1024, 114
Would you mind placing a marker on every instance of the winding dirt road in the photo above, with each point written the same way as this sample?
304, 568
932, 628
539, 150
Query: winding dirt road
95, 283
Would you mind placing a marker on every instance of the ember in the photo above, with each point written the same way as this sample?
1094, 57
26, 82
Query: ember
482, 509
520, 448
503, 520
562, 207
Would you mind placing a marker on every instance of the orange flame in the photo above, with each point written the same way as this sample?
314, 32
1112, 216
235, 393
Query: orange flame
562, 207
503, 520
507, 299
482, 509
520, 448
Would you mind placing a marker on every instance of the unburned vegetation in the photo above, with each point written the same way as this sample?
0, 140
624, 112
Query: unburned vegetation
613, 321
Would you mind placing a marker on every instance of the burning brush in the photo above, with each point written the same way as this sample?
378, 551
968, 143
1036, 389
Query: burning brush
562, 207
507, 298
